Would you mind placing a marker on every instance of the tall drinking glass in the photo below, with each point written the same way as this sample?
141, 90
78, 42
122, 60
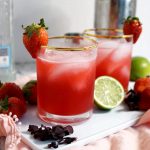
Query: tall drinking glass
114, 53
65, 75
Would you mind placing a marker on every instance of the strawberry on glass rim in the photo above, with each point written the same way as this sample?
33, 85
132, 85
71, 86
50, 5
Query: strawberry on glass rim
35, 36
132, 25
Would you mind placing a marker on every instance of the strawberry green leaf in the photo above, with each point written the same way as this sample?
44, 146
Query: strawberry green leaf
34, 28
42, 24
135, 18
1, 84
4, 104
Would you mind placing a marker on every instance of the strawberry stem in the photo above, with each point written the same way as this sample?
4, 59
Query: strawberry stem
42, 24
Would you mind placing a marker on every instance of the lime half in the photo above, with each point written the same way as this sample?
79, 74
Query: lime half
108, 92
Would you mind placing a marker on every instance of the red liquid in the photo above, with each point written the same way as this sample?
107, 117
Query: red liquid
65, 88
115, 62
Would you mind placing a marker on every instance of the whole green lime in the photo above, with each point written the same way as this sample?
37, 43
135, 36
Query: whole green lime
140, 67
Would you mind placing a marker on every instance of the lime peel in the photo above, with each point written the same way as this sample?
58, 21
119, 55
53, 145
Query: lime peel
108, 92
140, 67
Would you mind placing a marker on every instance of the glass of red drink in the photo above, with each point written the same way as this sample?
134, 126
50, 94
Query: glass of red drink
66, 74
114, 53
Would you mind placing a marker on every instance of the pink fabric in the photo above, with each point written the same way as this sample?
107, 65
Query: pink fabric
132, 138
9, 130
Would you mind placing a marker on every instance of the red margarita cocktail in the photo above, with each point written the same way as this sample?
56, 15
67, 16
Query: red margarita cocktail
66, 75
114, 54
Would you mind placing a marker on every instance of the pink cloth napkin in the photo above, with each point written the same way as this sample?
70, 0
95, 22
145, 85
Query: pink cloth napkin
132, 138
9, 130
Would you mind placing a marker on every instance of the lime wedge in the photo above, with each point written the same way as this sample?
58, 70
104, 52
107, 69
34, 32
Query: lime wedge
108, 92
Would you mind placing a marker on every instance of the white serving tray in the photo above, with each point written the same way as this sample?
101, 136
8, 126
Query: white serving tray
101, 124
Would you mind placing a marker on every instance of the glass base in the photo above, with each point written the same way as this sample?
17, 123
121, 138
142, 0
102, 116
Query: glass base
58, 119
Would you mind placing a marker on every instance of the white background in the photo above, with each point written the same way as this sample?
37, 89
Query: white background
69, 16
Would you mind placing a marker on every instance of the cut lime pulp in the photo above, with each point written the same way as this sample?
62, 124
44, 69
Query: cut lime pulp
108, 92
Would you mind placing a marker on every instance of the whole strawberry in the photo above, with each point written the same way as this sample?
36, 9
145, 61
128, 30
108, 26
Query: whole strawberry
10, 89
30, 91
14, 105
141, 84
34, 37
132, 25
144, 103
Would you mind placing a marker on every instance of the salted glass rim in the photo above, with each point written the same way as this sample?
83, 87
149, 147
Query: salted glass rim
87, 33
93, 44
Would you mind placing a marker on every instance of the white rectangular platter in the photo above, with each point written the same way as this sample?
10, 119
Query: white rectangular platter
101, 124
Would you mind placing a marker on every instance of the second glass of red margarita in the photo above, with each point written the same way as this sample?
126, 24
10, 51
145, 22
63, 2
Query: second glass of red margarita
114, 53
